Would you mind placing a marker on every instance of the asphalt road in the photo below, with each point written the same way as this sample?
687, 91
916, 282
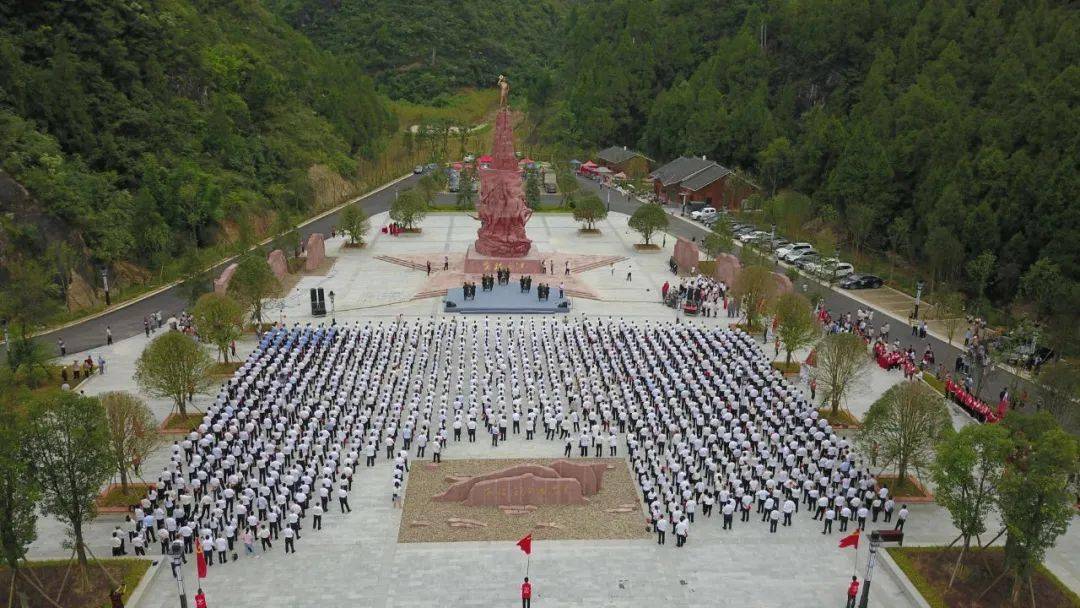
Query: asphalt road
837, 301
127, 321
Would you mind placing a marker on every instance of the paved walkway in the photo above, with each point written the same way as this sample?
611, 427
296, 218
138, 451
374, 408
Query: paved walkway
356, 561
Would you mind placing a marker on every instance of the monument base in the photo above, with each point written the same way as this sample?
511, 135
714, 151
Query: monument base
505, 299
478, 263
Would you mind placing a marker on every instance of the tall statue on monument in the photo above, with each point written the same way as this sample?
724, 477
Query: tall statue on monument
502, 210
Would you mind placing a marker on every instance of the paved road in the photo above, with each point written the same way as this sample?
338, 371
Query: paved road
128, 320
836, 300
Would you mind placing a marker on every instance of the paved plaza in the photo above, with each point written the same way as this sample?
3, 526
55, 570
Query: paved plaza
356, 559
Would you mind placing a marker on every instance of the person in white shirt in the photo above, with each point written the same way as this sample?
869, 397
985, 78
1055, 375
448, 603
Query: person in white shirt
682, 529
661, 529
288, 533
901, 518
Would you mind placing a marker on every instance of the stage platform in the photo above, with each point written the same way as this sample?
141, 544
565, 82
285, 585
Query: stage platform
505, 300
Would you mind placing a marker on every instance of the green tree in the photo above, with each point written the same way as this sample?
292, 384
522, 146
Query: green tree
355, 223
132, 432
466, 197
1044, 286
174, 366
950, 310
428, 187
775, 162
943, 252
841, 363
719, 240
754, 289
647, 220
1057, 390
27, 358
219, 320
979, 270
409, 209
195, 277
589, 209
1034, 498
568, 185
904, 426
252, 283
19, 489
795, 323
28, 298
68, 443
861, 221
966, 470
532, 190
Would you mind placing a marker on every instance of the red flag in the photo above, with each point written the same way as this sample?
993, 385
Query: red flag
525, 544
851, 540
200, 559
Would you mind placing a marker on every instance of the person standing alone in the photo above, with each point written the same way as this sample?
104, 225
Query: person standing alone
852, 592
526, 594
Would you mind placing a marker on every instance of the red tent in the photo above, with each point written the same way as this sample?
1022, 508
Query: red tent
588, 167
485, 159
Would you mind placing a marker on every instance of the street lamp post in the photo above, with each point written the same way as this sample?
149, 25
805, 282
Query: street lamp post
105, 281
918, 297
333, 310
7, 339
865, 599
176, 552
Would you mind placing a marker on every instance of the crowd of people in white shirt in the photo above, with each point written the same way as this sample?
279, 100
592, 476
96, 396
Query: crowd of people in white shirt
706, 420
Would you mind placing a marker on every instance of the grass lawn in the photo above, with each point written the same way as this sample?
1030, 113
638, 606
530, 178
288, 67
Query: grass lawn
934, 383
929, 569
842, 418
89, 591
175, 422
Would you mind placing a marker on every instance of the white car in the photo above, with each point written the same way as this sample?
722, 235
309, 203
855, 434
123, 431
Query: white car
798, 254
751, 237
822, 268
703, 213
784, 252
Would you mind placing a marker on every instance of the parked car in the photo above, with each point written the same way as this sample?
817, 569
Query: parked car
703, 213
756, 236
861, 281
418, 169
431, 168
776, 244
787, 253
833, 266
805, 258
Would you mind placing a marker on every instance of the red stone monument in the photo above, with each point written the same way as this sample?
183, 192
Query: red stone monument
501, 240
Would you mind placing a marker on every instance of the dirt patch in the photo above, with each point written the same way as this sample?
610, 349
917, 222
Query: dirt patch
115, 500
589, 231
89, 589
175, 423
929, 569
644, 247
842, 419
225, 370
909, 489
615, 512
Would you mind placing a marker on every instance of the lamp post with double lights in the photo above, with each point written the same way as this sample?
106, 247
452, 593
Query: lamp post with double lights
333, 310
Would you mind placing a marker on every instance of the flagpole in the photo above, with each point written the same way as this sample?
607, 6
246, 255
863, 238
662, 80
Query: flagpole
528, 561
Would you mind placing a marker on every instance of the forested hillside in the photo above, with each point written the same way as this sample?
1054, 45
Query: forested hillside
934, 129
421, 51
135, 128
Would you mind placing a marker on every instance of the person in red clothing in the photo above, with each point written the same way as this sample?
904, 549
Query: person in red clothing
526, 594
200, 599
852, 592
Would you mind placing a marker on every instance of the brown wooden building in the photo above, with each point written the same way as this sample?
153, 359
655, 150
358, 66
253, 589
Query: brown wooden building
621, 159
693, 179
